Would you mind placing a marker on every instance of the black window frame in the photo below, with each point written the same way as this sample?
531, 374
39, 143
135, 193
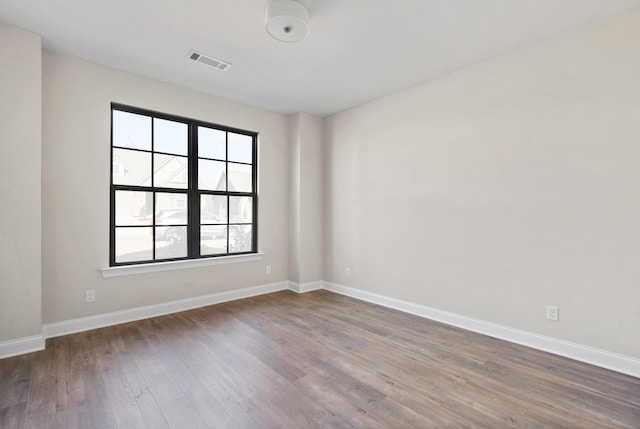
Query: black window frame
193, 193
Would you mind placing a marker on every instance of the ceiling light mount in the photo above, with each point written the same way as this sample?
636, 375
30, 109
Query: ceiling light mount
286, 20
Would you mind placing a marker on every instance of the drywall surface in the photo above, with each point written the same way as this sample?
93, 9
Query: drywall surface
305, 165
311, 190
20, 217
294, 198
500, 189
76, 142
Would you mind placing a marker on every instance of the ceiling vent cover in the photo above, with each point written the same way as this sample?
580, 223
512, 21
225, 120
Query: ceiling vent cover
209, 61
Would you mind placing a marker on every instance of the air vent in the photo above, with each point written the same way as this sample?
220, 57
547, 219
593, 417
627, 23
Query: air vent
208, 61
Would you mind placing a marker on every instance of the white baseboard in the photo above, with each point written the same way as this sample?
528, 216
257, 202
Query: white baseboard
615, 362
306, 287
51, 330
21, 346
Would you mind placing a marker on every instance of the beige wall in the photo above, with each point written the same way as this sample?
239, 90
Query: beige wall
20, 216
75, 147
294, 198
305, 165
501, 188
311, 190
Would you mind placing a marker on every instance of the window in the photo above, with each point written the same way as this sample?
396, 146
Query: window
118, 167
180, 188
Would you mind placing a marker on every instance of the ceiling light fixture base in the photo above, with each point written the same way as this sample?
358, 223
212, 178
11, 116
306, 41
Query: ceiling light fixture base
287, 20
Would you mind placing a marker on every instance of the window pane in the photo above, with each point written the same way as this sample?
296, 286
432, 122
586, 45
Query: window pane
213, 239
134, 244
211, 175
170, 171
133, 208
131, 130
240, 178
171, 242
135, 167
169, 136
212, 143
213, 209
240, 238
240, 209
240, 148
118, 168
213, 231
171, 209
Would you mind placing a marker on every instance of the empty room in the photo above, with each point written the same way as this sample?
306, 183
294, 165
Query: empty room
320, 214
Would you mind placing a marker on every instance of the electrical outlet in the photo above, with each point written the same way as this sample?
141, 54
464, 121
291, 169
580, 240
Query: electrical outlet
268, 269
347, 271
90, 296
552, 313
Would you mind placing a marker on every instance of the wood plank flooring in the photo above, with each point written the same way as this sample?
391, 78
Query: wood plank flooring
317, 360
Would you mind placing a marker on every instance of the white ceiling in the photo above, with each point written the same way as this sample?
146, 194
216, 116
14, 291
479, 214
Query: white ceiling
357, 50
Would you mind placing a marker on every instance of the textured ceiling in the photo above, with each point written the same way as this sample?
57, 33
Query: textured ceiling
358, 50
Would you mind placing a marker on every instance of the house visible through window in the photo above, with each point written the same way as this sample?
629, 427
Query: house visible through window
180, 188
118, 167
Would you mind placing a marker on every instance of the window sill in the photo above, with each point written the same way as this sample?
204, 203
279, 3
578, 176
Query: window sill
128, 270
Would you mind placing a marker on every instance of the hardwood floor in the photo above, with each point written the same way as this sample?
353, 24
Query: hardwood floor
317, 360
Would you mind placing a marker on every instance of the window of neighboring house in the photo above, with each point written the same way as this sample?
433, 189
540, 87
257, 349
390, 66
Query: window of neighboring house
118, 168
180, 188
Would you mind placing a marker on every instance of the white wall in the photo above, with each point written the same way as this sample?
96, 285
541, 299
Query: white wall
20, 216
75, 148
501, 188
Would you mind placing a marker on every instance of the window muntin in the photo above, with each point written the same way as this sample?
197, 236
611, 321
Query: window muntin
189, 190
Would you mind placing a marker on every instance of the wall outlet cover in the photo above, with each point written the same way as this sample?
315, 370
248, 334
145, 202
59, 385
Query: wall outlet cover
552, 313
